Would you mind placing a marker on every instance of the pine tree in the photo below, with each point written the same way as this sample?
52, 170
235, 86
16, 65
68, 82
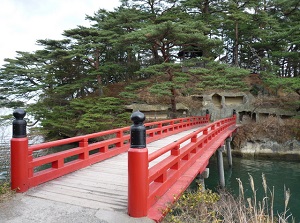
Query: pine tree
168, 31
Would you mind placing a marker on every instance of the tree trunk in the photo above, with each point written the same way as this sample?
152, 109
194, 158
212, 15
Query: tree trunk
173, 94
100, 88
173, 103
205, 8
96, 66
236, 45
155, 54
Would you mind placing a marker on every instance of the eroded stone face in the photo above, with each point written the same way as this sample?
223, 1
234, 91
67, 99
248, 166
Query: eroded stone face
248, 108
271, 148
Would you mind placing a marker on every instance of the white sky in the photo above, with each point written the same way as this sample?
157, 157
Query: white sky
22, 22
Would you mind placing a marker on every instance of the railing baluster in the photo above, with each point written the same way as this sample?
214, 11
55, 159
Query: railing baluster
175, 151
58, 163
84, 143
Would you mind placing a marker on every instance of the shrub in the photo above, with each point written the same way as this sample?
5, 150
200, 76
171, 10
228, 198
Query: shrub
194, 207
207, 206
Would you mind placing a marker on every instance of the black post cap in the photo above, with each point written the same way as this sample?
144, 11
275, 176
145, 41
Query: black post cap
138, 130
137, 117
19, 124
234, 112
207, 111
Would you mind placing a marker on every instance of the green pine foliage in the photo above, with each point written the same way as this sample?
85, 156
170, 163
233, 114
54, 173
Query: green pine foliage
83, 116
217, 76
139, 45
104, 113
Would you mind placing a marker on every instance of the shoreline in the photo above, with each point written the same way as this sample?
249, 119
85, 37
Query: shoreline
274, 156
268, 149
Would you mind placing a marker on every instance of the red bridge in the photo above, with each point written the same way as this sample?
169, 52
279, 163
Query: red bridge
137, 170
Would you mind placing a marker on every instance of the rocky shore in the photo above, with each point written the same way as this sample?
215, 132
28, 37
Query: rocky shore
289, 150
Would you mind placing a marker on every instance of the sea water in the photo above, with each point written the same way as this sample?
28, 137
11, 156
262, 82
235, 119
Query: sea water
278, 174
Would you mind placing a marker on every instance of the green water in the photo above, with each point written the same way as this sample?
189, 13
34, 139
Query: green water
278, 174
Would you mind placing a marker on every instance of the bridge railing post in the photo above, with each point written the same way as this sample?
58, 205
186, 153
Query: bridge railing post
234, 114
19, 153
207, 115
138, 186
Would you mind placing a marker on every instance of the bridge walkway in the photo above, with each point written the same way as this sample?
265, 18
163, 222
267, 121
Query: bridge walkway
101, 187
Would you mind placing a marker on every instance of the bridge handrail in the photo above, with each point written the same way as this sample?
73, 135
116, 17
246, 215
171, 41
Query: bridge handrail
174, 144
146, 183
158, 174
62, 142
24, 172
158, 130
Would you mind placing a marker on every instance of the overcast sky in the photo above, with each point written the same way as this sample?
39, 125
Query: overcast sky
22, 22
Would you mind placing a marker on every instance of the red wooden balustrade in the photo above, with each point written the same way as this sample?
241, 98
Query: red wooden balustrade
185, 159
28, 171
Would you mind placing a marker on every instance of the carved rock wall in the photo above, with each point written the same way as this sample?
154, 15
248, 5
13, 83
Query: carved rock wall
221, 105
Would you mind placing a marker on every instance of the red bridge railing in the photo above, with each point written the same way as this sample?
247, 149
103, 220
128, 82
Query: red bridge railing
28, 171
149, 178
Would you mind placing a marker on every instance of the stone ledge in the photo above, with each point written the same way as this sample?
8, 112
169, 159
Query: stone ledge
289, 150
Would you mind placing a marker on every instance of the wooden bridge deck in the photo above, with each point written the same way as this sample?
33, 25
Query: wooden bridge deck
103, 185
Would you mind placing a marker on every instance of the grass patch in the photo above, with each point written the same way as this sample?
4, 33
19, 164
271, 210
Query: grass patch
5, 192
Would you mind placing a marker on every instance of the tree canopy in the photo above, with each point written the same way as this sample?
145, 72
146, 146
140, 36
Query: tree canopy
145, 46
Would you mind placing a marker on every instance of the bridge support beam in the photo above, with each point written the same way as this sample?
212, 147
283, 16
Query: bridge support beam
221, 166
228, 151
202, 176
138, 185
